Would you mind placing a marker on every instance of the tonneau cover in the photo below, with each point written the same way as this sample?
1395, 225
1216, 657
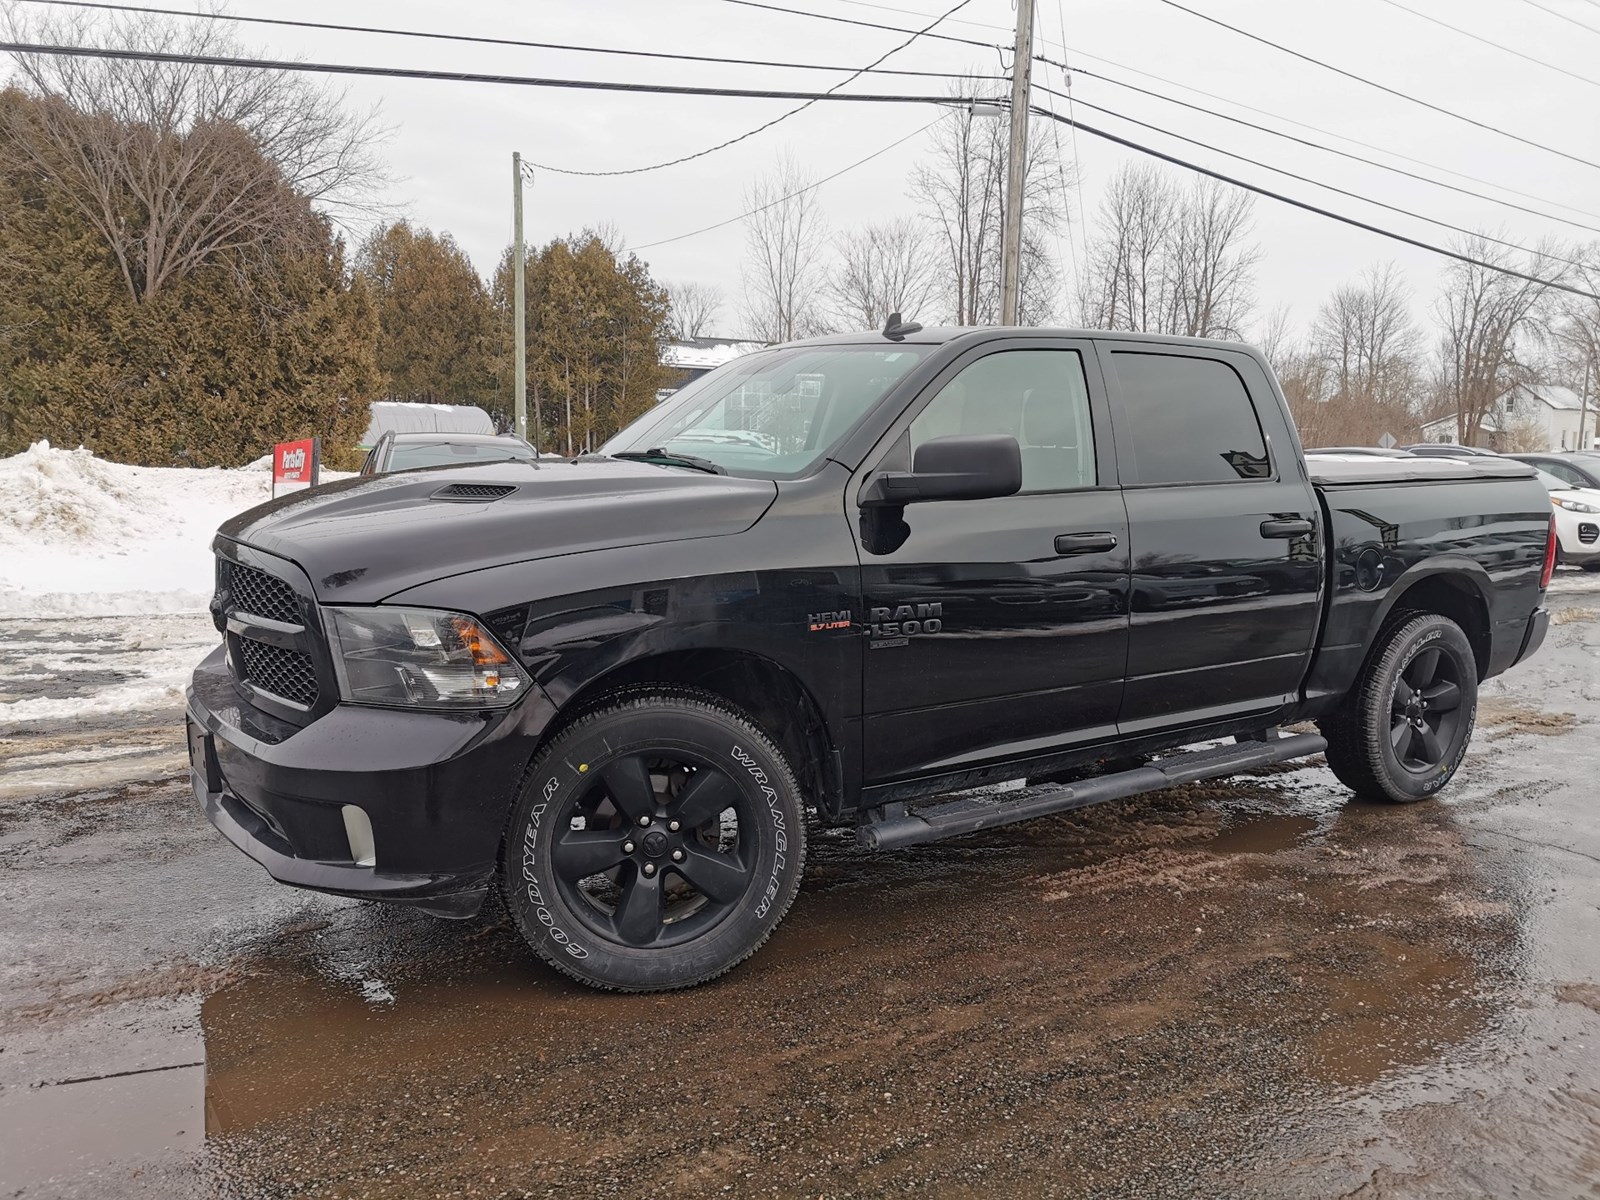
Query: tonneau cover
1331, 470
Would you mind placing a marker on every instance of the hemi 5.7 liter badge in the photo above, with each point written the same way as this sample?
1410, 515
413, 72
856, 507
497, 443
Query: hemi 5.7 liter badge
829, 620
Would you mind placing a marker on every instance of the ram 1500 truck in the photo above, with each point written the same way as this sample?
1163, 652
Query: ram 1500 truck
868, 578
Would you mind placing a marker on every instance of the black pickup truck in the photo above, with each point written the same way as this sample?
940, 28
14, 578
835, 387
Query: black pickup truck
868, 578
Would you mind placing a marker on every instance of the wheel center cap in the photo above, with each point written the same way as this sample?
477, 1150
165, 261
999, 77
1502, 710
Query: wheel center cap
654, 843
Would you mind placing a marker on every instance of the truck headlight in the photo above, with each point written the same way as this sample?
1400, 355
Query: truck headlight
1577, 506
420, 658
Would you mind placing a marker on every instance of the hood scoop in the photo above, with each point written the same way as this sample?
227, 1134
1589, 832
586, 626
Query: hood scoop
480, 492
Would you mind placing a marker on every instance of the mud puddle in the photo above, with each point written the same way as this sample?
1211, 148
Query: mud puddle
1149, 1030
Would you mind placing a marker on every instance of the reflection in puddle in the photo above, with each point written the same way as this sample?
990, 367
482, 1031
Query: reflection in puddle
1400, 1004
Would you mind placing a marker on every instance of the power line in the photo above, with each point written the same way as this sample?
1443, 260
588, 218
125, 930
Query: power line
1247, 107
750, 93
797, 192
1563, 16
1300, 141
1495, 45
1079, 265
592, 85
1313, 208
1394, 208
762, 128
800, 12
1379, 86
479, 40
1287, 120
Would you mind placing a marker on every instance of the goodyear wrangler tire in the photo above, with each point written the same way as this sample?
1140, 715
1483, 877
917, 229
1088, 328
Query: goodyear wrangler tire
1405, 728
658, 842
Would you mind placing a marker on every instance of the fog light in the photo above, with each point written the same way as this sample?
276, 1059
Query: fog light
358, 828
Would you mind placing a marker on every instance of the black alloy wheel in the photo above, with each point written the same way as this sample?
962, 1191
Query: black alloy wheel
649, 853
658, 841
1426, 710
1407, 722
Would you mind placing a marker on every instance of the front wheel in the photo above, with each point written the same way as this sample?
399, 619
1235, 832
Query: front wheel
1404, 729
658, 842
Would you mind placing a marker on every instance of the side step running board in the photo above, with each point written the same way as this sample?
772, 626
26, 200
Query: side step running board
896, 825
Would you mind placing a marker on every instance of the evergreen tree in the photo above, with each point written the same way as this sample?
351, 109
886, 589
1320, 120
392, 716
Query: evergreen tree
596, 324
436, 326
251, 346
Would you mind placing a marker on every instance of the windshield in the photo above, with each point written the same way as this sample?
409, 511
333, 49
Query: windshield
437, 454
773, 414
1551, 483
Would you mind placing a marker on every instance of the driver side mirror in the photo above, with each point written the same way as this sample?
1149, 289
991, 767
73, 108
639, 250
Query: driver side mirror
966, 467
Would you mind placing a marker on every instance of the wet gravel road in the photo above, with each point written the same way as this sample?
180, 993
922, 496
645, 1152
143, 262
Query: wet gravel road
1251, 988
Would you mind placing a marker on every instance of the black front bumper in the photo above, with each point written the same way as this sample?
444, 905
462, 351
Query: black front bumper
435, 787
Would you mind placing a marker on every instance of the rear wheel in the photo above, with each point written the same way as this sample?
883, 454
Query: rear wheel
1404, 730
658, 842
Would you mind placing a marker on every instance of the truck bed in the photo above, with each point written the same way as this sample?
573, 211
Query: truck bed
1333, 470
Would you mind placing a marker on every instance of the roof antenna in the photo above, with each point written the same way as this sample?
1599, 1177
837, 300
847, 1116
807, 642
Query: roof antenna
897, 327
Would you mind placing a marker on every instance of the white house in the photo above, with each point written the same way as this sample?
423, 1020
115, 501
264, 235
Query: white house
1556, 412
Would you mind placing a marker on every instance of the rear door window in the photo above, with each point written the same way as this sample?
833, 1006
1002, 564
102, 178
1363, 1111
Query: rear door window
1186, 420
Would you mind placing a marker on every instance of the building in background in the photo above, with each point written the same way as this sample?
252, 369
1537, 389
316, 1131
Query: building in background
694, 357
1529, 418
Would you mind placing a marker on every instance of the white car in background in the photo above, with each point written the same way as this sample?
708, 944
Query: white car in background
1577, 522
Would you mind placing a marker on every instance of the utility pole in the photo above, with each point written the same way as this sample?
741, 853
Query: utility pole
1016, 166
519, 309
1583, 402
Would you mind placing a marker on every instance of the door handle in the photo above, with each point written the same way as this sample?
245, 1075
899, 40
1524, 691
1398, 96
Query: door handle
1286, 527
1085, 543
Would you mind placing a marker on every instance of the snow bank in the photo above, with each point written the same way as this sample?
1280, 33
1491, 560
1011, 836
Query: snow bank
81, 536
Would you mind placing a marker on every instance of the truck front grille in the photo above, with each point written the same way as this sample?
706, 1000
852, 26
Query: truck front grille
262, 595
286, 673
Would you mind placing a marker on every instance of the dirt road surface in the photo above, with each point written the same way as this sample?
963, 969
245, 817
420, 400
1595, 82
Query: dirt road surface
1257, 987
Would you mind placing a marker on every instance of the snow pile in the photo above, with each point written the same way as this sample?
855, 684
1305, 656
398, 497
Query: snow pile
81, 536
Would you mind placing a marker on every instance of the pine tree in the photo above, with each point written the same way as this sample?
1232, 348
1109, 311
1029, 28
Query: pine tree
596, 324
435, 323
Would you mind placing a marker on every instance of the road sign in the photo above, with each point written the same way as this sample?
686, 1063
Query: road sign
1388, 441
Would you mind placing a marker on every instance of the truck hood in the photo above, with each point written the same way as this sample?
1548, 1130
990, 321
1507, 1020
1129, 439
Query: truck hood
361, 540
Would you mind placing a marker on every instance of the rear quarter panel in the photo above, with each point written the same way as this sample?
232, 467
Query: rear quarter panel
1486, 535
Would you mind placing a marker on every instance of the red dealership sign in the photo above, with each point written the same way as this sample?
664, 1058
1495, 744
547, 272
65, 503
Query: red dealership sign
296, 465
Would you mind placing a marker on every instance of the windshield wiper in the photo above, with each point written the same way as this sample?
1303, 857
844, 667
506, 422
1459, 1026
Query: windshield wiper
671, 458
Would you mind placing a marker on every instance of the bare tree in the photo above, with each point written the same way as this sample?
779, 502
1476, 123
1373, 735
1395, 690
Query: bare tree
1273, 336
785, 249
694, 307
1214, 285
882, 269
1127, 276
1168, 261
1489, 321
1576, 343
177, 163
960, 189
1370, 347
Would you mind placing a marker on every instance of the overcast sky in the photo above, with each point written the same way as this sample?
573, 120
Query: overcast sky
452, 142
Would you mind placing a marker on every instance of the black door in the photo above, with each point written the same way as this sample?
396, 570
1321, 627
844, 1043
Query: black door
1227, 562
998, 628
